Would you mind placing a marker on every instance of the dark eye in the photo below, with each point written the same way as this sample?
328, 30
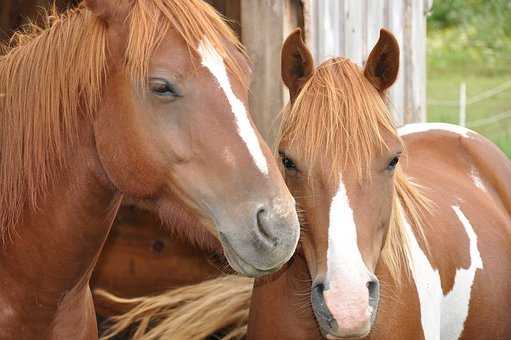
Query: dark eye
288, 163
392, 163
163, 88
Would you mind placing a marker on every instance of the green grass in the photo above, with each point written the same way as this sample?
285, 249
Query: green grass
448, 66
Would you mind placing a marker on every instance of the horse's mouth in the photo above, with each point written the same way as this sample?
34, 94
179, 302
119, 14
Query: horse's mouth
239, 264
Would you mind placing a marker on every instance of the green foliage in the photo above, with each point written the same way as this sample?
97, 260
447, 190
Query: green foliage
470, 41
464, 32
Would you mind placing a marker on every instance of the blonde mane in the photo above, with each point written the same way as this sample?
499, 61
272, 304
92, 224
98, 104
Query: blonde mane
338, 119
52, 78
191, 312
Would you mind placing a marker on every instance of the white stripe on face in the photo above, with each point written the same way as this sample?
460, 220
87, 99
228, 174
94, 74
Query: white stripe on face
443, 317
215, 64
346, 295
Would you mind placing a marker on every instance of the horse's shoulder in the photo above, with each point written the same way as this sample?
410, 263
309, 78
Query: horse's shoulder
429, 129
450, 146
448, 138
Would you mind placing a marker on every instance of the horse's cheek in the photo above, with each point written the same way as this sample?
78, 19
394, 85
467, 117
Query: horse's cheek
125, 153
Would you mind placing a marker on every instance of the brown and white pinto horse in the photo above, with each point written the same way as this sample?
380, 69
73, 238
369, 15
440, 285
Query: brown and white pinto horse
423, 212
365, 221
118, 98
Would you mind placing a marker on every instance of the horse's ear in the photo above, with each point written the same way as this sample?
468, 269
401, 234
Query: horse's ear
297, 63
383, 63
109, 10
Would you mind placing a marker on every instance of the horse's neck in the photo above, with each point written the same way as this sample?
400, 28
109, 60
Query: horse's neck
280, 306
46, 267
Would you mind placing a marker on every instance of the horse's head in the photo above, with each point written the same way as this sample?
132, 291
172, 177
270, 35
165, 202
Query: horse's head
340, 152
173, 124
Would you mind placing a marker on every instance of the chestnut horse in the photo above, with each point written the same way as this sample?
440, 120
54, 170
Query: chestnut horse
424, 212
118, 98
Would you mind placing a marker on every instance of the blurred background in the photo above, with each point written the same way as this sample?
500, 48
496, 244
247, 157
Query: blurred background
456, 54
469, 66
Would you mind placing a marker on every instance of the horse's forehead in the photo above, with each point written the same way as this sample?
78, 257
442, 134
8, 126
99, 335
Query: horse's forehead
212, 60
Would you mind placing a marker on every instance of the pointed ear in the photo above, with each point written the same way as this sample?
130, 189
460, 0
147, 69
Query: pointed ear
383, 63
109, 10
297, 64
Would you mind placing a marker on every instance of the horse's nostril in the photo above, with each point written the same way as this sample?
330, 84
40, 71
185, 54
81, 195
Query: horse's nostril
373, 287
263, 225
320, 287
323, 315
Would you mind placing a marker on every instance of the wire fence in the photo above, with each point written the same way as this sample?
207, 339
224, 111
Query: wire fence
463, 102
475, 112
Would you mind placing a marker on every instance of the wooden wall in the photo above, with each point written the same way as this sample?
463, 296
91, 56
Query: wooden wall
350, 28
14, 13
265, 24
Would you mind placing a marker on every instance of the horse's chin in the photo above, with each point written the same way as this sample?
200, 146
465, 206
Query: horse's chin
242, 267
356, 336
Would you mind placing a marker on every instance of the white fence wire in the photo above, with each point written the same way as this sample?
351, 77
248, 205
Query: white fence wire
463, 102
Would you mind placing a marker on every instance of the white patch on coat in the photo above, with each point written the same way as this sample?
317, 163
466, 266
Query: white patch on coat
476, 178
346, 273
429, 289
443, 317
215, 64
456, 303
424, 127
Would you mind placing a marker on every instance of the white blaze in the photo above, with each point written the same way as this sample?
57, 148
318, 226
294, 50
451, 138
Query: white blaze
443, 317
215, 64
347, 273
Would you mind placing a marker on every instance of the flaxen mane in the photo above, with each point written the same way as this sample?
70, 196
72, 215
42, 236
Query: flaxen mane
52, 78
193, 312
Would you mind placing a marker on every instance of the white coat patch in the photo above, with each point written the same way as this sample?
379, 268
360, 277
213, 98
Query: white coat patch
429, 289
424, 127
443, 317
455, 304
476, 178
214, 62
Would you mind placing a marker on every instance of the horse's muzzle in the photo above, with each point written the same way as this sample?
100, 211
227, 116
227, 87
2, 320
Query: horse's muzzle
334, 329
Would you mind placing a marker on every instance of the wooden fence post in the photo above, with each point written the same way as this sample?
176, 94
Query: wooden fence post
463, 105
264, 26
350, 28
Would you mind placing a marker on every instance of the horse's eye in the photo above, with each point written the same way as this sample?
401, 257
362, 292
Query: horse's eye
393, 163
287, 162
163, 88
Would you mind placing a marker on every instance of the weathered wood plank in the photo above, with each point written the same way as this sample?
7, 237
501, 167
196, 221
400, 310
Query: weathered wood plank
350, 28
14, 13
354, 21
264, 26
